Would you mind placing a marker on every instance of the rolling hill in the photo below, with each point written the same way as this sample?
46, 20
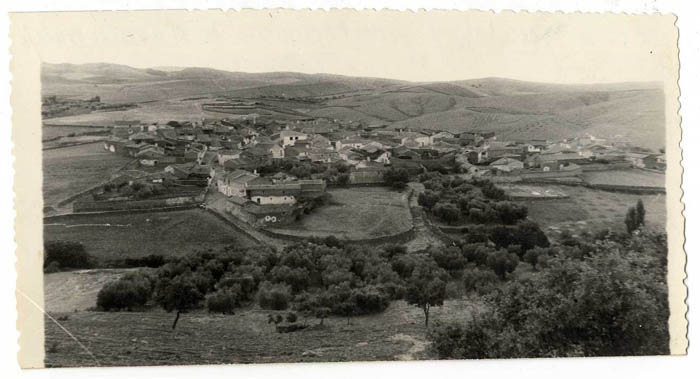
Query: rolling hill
512, 108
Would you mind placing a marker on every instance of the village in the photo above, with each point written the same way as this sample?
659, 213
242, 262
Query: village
272, 171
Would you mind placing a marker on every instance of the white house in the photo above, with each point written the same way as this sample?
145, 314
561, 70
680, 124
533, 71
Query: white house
290, 137
235, 183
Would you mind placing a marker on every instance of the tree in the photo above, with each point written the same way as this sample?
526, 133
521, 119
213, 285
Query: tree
343, 179
641, 212
635, 217
177, 294
428, 199
502, 262
426, 287
67, 254
613, 302
479, 280
396, 179
273, 296
447, 212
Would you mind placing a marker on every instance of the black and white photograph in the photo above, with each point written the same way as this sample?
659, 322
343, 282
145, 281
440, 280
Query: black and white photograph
253, 188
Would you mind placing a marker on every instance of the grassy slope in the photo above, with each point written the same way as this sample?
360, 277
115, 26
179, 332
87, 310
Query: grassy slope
136, 235
511, 108
70, 170
145, 338
593, 210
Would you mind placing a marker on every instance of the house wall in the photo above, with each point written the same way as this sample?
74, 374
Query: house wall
262, 200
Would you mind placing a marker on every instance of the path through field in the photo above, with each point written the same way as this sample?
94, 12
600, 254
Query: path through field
424, 238
418, 346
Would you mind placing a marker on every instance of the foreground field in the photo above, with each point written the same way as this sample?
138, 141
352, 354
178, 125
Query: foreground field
117, 236
70, 170
593, 210
356, 213
70, 291
138, 338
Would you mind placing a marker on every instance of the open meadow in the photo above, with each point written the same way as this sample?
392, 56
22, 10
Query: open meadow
634, 178
356, 213
69, 291
117, 236
592, 210
50, 132
71, 170
156, 111
146, 338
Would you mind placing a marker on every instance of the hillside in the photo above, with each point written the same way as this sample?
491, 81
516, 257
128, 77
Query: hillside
512, 108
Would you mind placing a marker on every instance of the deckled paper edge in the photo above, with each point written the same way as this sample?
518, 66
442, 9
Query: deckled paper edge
25, 102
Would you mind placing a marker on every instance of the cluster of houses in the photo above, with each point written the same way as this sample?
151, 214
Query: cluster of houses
228, 154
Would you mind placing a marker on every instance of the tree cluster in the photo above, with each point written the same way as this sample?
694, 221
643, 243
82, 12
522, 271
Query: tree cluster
316, 279
61, 255
453, 199
603, 297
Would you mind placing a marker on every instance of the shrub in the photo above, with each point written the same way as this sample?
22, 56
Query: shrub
67, 254
291, 317
447, 212
502, 262
396, 179
274, 296
53, 266
428, 199
479, 280
120, 294
449, 258
222, 301
369, 299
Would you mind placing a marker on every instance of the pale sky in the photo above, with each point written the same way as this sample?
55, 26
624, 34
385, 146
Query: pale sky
423, 46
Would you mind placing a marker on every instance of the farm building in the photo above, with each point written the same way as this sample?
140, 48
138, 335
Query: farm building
235, 183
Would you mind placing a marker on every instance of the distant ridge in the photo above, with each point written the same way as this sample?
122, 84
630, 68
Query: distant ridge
512, 108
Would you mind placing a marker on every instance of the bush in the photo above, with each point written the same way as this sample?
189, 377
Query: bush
291, 317
449, 258
479, 280
502, 263
67, 254
369, 300
396, 179
120, 294
274, 296
222, 301
53, 266
447, 212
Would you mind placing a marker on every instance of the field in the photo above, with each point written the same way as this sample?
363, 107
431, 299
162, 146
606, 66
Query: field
145, 338
356, 213
76, 290
68, 171
157, 111
116, 236
593, 210
51, 132
635, 178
